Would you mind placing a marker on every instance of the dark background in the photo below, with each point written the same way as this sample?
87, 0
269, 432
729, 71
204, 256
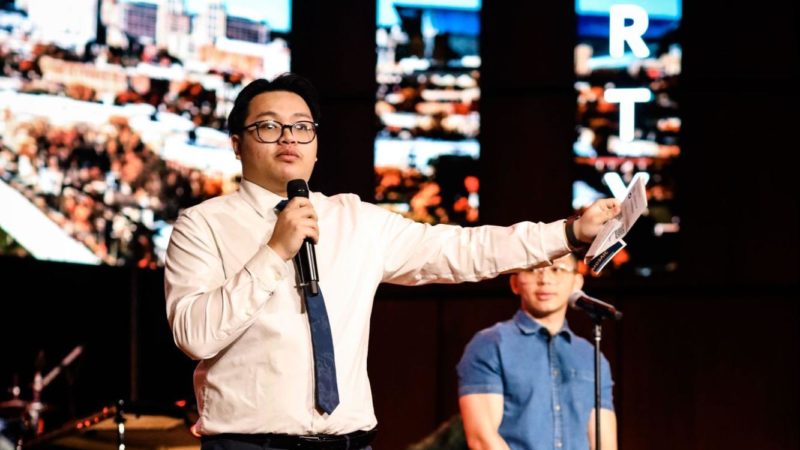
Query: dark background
705, 358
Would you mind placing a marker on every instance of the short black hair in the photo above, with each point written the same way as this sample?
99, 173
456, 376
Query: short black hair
289, 82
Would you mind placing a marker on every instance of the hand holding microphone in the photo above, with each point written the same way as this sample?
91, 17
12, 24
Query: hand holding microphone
296, 222
295, 234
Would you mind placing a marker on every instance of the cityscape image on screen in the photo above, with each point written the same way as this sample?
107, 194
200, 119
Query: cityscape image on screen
426, 146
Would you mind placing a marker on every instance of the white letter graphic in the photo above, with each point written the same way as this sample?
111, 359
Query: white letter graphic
626, 99
619, 33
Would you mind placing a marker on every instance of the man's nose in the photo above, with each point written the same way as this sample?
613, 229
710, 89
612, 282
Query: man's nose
286, 135
545, 278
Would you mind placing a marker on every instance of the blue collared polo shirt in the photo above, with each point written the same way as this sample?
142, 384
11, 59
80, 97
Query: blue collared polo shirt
547, 382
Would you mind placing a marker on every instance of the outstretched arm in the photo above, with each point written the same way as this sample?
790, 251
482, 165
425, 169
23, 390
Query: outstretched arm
415, 253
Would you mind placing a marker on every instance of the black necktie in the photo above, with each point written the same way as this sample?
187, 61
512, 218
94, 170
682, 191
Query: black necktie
326, 391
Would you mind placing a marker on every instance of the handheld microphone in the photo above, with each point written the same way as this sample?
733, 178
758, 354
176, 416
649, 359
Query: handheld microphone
306, 259
594, 307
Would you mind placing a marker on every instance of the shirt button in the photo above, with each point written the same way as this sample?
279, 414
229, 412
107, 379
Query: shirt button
558, 444
555, 372
558, 407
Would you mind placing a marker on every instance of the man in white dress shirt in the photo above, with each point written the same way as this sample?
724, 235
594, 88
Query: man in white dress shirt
234, 304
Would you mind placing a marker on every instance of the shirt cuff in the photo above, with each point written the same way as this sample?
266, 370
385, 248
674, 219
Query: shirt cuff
267, 268
480, 389
554, 240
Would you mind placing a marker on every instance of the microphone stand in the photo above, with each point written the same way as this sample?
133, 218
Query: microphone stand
597, 319
35, 407
598, 333
32, 415
597, 311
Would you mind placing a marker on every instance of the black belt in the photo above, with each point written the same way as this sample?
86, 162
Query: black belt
351, 441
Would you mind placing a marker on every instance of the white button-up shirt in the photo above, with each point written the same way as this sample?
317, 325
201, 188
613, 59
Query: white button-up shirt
233, 303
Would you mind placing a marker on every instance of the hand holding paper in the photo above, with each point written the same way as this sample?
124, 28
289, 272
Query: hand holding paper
594, 218
609, 240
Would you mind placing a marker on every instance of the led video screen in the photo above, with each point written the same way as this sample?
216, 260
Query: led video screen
627, 67
113, 118
426, 145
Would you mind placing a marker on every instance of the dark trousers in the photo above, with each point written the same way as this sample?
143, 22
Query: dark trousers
359, 440
230, 444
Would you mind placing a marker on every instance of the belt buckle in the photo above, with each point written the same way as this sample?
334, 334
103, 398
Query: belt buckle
327, 442
310, 437
311, 441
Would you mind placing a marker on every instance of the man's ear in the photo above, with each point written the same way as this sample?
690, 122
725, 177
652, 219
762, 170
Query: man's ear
235, 143
513, 280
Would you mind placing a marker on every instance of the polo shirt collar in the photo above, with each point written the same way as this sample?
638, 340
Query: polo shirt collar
529, 326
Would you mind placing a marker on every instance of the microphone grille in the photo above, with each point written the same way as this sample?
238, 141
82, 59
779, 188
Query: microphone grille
574, 297
297, 188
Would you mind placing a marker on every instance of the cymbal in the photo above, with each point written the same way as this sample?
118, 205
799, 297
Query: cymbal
16, 406
13, 403
145, 428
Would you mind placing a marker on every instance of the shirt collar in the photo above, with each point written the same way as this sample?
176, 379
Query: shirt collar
260, 199
529, 326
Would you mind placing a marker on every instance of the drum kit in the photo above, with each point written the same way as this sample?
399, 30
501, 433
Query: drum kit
121, 425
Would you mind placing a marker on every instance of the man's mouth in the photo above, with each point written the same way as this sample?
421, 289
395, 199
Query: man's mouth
288, 155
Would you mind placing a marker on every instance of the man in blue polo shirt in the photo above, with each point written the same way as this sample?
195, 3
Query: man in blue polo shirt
528, 383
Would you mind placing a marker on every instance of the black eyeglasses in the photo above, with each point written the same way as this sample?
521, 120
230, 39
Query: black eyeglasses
270, 131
